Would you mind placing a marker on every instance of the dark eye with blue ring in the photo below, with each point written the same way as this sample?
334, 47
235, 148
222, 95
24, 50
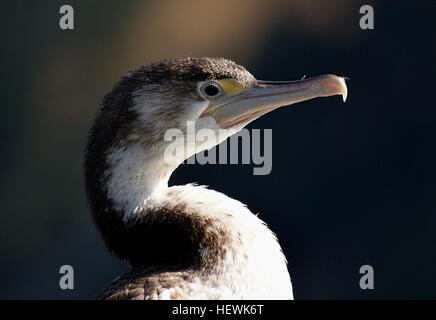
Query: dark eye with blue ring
211, 90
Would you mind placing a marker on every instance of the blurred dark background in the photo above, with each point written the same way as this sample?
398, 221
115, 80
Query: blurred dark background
351, 184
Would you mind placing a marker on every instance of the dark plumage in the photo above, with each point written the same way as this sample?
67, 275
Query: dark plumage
190, 69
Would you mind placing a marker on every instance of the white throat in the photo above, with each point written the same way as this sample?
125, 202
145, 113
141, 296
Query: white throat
134, 175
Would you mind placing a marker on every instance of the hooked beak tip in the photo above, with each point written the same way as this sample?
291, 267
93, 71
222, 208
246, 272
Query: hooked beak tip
334, 85
344, 88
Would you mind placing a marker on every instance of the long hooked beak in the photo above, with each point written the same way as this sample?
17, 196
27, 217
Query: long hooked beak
264, 96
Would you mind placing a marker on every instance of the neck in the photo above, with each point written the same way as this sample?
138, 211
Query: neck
133, 176
185, 227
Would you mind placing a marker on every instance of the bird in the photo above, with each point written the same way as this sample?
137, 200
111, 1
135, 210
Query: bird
184, 241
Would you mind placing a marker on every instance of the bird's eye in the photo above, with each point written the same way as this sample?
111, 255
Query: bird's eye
211, 90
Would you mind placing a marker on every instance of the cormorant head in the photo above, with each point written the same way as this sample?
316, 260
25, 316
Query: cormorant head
201, 93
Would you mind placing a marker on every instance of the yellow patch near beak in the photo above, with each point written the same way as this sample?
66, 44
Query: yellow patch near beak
231, 86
